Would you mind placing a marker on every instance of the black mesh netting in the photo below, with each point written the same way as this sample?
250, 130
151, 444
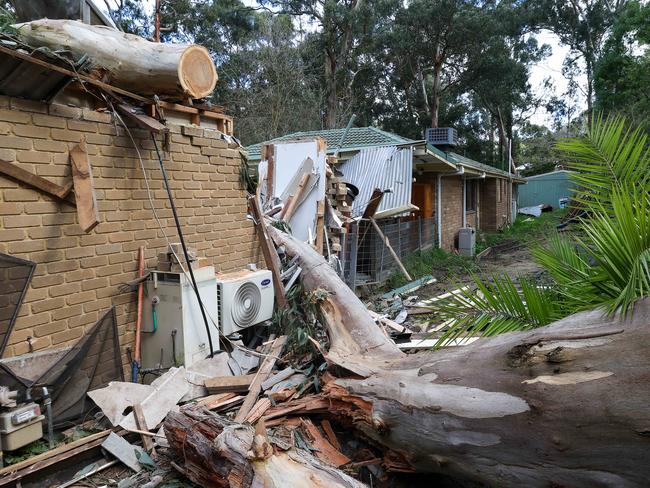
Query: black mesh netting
15, 276
91, 363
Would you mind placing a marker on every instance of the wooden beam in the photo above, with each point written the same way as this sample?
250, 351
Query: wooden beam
144, 121
320, 226
138, 414
10, 474
226, 384
82, 177
268, 249
292, 205
390, 249
23, 176
373, 203
260, 377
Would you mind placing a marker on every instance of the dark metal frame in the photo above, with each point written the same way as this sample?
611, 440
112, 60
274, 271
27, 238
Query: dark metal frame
12, 321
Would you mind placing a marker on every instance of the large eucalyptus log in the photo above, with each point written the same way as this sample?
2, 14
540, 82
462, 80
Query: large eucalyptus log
219, 453
563, 405
131, 62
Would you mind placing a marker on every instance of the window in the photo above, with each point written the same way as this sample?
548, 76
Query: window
499, 189
470, 195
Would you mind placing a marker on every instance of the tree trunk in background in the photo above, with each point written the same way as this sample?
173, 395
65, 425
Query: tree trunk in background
435, 93
563, 405
332, 100
131, 62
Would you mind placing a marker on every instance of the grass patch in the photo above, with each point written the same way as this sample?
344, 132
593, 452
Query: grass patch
434, 261
525, 230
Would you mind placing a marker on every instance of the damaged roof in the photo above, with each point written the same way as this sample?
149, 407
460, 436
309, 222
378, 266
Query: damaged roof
364, 137
356, 138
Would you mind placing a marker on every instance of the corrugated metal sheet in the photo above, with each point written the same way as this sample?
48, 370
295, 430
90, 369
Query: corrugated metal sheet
547, 188
386, 168
20, 78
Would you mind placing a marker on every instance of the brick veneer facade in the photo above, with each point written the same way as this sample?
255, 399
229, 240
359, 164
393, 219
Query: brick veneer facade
492, 212
77, 274
495, 196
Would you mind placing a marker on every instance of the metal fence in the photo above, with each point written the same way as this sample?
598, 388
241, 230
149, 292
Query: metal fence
367, 260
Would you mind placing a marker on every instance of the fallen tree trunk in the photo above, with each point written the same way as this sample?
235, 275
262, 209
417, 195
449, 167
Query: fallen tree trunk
220, 453
563, 405
131, 62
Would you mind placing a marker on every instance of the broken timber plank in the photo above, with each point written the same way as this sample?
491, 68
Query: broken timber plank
36, 463
82, 176
23, 176
320, 226
226, 384
373, 203
268, 249
262, 375
138, 414
292, 205
213, 401
258, 410
144, 121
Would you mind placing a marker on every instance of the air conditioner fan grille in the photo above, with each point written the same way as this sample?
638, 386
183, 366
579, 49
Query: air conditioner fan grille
246, 304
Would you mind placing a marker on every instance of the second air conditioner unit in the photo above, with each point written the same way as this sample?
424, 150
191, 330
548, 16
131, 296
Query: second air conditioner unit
244, 298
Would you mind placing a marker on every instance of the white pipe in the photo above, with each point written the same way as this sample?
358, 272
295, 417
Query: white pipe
464, 202
439, 209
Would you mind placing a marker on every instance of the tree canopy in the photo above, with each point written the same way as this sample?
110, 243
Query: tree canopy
289, 65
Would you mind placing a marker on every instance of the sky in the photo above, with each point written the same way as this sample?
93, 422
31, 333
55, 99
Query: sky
551, 67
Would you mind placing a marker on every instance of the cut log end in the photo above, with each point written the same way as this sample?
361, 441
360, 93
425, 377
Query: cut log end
196, 72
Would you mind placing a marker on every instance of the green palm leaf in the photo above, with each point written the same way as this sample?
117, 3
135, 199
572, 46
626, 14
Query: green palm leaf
495, 307
608, 156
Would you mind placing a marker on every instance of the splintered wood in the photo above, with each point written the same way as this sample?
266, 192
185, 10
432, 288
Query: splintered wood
262, 375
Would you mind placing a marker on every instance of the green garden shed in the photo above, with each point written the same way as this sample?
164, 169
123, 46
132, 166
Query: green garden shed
547, 188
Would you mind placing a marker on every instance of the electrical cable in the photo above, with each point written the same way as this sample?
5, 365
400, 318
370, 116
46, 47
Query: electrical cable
162, 230
182, 239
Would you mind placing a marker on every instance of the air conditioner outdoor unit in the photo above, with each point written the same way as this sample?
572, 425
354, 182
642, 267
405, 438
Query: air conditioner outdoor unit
244, 298
441, 136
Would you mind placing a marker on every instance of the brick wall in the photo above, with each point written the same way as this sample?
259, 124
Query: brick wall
77, 274
495, 198
452, 210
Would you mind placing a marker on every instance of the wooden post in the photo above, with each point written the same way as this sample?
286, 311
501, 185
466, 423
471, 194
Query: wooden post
84, 191
268, 249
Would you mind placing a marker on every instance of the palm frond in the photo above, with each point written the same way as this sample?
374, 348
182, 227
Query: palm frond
609, 156
495, 307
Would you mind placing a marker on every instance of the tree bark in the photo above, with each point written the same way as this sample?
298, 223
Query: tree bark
130, 62
563, 405
220, 453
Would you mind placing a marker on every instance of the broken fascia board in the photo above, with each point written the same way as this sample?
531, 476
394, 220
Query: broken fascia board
169, 389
